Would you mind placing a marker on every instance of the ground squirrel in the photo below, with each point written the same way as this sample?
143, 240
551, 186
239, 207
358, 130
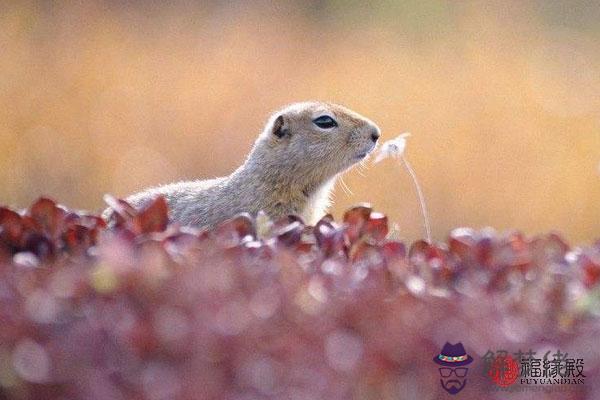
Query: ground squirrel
291, 169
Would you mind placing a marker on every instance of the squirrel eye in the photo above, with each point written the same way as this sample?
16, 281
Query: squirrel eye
325, 122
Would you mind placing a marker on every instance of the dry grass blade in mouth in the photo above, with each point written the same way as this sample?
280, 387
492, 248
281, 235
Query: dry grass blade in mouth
395, 148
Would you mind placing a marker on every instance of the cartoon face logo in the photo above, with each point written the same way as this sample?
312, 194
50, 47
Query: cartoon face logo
453, 373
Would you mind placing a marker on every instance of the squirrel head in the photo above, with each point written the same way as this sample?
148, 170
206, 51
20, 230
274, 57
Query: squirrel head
316, 139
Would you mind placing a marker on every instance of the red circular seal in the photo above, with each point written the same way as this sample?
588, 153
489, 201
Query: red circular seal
504, 371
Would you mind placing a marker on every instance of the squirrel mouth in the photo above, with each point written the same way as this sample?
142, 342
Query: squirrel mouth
362, 154
365, 153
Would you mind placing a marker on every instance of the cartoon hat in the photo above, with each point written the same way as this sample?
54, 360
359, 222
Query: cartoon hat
453, 355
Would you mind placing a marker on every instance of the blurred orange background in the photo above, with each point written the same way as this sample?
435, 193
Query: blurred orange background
502, 100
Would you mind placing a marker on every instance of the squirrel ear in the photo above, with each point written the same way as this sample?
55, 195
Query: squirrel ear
279, 128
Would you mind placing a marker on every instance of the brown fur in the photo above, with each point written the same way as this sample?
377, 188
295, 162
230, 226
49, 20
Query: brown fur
290, 170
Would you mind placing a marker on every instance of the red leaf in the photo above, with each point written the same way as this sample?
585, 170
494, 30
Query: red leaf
462, 241
12, 227
394, 250
377, 226
78, 238
355, 220
329, 237
591, 271
233, 231
154, 217
46, 213
367, 253
122, 211
290, 234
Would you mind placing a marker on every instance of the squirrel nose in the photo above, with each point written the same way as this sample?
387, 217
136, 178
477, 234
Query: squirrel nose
375, 135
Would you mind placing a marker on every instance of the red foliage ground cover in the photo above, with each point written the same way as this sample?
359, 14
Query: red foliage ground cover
259, 309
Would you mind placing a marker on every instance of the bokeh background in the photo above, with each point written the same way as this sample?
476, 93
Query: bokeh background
502, 99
